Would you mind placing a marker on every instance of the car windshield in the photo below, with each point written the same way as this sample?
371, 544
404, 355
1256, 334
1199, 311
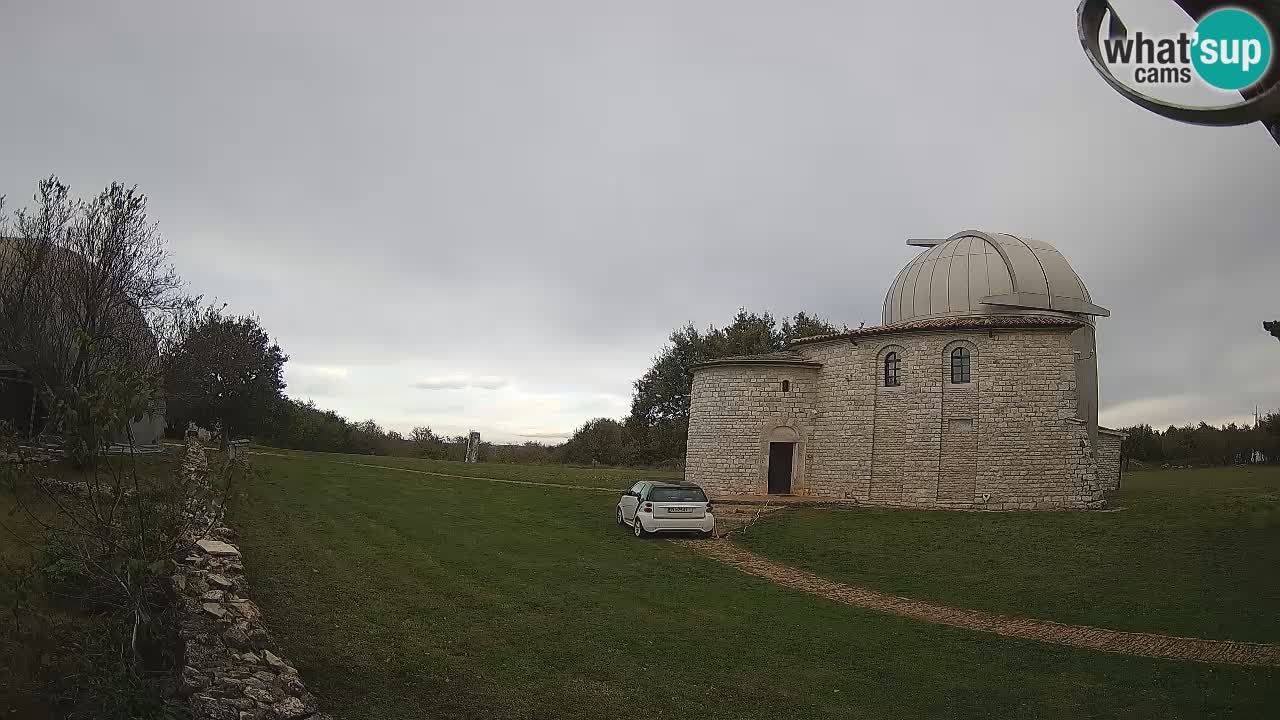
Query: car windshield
677, 494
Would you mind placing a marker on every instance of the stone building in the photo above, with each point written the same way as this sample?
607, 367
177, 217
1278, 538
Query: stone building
979, 390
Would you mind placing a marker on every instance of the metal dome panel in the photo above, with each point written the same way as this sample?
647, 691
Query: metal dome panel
979, 273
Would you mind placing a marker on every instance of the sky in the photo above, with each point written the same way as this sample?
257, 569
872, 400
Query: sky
490, 215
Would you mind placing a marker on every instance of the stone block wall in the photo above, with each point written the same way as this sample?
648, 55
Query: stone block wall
843, 434
1109, 450
960, 452
1035, 453
737, 408
1009, 439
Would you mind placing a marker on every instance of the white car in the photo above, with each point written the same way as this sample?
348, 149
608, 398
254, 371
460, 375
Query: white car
652, 506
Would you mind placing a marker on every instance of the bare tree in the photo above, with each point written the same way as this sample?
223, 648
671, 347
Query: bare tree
84, 287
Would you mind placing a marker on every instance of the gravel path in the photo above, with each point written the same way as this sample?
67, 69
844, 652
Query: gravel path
1114, 641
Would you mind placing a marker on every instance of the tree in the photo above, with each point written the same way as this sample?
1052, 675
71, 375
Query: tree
1205, 444
805, 325
84, 288
597, 441
659, 419
427, 444
1273, 328
224, 372
423, 435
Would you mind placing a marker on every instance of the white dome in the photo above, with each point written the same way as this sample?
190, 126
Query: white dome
980, 273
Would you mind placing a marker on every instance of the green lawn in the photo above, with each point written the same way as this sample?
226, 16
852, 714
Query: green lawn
619, 478
405, 596
1193, 552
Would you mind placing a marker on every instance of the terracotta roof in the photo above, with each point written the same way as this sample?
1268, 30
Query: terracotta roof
973, 322
781, 357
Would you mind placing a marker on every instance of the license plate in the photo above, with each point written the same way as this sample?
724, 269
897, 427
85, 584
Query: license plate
680, 510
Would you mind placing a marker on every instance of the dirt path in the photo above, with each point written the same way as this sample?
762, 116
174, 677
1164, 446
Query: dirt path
1114, 641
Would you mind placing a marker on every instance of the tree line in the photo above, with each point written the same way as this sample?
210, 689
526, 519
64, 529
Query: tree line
301, 425
1205, 444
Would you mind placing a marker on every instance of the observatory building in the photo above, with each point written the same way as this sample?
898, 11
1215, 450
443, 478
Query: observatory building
978, 391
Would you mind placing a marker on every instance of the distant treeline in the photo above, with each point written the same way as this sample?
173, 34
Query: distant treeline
1205, 444
303, 426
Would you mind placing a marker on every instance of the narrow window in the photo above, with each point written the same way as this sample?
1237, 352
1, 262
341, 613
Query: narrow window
891, 370
786, 386
960, 365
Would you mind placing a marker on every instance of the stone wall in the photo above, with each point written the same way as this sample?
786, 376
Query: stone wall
1110, 443
232, 670
737, 410
1006, 440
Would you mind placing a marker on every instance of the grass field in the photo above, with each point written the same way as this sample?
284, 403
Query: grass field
1193, 552
619, 478
403, 595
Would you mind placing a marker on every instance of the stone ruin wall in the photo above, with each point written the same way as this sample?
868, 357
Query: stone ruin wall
232, 668
1005, 441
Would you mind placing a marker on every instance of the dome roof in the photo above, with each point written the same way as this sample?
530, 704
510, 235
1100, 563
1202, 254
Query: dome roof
980, 273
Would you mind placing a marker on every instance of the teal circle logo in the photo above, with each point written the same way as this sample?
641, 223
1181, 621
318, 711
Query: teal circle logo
1232, 49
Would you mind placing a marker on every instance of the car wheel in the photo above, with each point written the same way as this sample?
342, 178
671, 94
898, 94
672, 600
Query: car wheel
706, 534
620, 522
636, 527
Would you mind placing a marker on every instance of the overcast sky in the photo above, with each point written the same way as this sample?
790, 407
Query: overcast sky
490, 215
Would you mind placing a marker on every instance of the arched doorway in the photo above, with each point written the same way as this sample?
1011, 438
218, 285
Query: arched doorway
782, 451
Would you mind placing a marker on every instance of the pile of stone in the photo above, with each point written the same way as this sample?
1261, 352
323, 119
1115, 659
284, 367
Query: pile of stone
232, 671
81, 489
27, 455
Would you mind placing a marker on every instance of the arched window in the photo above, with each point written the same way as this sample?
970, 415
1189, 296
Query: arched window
786, 386
891, 377
960, 365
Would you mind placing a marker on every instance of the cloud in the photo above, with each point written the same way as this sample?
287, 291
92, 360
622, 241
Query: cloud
460, 382
322, 371
310, 381
544, 435
1161, 412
